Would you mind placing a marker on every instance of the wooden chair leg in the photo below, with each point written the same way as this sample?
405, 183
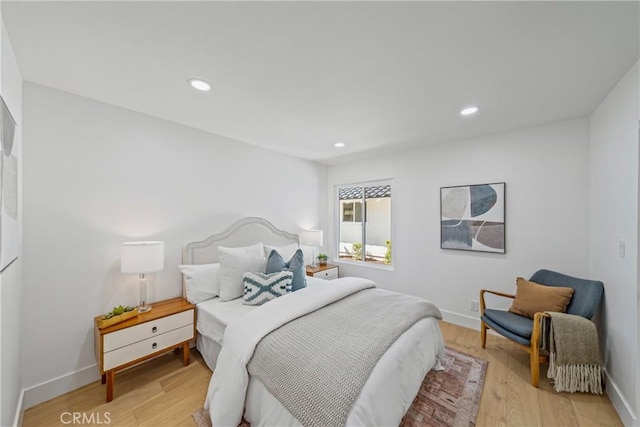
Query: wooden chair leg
535, 367
535, 351
483, 334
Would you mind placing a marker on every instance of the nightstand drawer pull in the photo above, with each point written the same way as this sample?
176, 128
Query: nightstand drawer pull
154, 346
154, 329
327, 274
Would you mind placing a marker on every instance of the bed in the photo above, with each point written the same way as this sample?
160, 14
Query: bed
229, 331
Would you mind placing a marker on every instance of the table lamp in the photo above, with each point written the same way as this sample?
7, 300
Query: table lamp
141, 258
312, 238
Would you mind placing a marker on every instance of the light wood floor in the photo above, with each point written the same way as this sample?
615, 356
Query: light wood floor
164, 393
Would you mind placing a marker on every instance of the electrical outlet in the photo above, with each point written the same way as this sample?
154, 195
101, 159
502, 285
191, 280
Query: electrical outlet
473, 306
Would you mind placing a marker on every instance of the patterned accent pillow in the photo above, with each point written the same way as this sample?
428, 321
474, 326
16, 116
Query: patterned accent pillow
260, 287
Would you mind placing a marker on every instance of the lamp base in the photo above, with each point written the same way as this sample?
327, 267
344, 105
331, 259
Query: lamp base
143, 307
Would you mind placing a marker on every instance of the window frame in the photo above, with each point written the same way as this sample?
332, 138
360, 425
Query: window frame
338, 221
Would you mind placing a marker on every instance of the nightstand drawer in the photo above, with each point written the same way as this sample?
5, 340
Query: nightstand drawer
128, 336
329, 274
129, 353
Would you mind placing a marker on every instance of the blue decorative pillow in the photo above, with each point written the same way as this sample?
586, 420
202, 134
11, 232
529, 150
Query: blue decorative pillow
260, 287
276, 263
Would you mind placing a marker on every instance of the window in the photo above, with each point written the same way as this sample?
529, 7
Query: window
364, 215
351, 211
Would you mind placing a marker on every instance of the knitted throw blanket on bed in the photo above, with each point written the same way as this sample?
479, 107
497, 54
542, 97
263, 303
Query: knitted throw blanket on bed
574, 361
317, 364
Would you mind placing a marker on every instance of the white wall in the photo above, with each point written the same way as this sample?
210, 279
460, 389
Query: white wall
614, 217
547, 212
96, 175
11, 278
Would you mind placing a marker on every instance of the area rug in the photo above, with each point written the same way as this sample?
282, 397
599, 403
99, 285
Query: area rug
448, 398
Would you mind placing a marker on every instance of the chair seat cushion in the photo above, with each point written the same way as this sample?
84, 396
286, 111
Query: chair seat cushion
519, 325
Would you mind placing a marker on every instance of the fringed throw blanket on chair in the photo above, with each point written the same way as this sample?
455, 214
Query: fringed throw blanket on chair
574, 361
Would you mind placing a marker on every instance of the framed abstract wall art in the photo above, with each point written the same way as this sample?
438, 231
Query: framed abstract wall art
8, 188
472, 217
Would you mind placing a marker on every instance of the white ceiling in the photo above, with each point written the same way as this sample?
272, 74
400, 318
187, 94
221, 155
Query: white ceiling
298, 76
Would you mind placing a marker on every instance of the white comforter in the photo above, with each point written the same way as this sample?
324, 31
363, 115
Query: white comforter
228, 387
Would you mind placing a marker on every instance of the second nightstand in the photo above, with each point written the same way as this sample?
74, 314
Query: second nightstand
329, 271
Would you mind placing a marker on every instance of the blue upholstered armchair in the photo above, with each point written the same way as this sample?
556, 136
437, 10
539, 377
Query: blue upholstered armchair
525, 331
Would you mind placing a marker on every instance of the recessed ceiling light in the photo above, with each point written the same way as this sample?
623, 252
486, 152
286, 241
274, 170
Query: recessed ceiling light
470, 110
199, 84
338, 144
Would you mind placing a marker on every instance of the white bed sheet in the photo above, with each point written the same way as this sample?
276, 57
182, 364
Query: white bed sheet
387, 394
214, 315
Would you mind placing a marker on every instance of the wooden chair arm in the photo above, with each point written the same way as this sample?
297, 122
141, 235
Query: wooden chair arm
538, 315
536, 332
500, 294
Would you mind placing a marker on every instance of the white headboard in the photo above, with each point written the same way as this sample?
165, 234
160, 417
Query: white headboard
244, 232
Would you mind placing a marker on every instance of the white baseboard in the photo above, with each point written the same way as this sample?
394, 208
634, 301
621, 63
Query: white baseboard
461, 319
47, 390
17, 420
58, 386
624, 410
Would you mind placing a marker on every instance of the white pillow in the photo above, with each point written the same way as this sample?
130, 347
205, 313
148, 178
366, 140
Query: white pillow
234, 262
287, 251
202, 281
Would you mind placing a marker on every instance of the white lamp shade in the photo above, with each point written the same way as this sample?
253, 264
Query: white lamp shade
312, 237
142, 257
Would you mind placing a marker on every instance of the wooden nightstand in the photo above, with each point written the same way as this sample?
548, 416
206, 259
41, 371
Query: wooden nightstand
168, 326
329, 271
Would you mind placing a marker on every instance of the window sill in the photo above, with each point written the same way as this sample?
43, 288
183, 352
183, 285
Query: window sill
364, 264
